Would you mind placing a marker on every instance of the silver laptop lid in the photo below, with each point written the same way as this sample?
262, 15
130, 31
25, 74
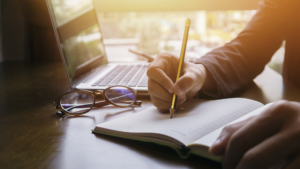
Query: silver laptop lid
78, 36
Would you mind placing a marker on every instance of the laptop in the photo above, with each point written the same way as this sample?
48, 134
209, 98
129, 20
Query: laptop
82, 51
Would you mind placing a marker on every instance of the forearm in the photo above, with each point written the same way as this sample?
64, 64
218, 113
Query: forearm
237, 63
210, 86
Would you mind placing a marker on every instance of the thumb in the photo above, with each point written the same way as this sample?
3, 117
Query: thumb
220, 145
187, 83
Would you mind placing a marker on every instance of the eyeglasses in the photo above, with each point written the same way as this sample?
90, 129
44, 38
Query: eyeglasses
79, 102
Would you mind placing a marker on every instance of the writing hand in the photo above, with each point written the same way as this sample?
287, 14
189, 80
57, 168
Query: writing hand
264, 140
161, 84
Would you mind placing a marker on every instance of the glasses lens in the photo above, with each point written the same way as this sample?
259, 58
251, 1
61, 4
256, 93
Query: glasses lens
120, 96
77, 102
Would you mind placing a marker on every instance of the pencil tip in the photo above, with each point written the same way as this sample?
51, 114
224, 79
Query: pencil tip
172, 111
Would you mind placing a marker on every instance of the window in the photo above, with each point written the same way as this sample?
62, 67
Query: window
154, 32
214, 23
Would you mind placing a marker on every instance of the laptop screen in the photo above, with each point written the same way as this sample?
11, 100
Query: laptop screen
80, 38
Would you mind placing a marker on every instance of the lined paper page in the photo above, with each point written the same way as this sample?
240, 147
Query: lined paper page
210, 138
194, 120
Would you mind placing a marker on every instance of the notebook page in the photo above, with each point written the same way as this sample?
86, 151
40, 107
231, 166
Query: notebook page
210, 138
194, 120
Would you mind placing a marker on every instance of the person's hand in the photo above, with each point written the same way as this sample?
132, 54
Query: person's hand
162, 75
264, 140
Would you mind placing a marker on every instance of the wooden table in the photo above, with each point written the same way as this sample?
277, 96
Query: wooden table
32, 136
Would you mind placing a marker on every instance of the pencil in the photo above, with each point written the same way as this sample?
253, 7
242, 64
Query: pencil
181, 60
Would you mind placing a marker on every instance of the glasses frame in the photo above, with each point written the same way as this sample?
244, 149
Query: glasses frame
99, 104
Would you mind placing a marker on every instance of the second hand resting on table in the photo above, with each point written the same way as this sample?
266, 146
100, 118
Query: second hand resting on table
248, 144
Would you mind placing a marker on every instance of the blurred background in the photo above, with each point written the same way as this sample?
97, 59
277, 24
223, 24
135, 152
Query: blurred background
149, 26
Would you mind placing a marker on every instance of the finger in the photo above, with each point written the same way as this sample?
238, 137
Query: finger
164, 105
166, 62
248, 136
163, 70
178, 105
161, 104
165, 111
191, 81
272, 150
184, 84
158, 91
149, 65
219, 146
161, 78
180, 101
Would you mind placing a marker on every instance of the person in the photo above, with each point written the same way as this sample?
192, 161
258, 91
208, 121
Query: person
261, 141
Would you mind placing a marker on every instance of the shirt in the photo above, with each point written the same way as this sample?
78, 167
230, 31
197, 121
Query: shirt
237, 63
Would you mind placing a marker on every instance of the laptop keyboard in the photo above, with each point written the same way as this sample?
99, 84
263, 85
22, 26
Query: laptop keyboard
138, 76
125, 75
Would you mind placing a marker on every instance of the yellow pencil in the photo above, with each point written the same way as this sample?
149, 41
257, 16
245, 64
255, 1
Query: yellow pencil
181, 60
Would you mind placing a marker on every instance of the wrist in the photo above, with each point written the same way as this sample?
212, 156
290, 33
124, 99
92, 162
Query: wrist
209, 84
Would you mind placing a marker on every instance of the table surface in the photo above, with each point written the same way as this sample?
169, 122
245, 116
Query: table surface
32, 136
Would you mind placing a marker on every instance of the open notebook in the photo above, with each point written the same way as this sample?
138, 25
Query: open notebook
193, 129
